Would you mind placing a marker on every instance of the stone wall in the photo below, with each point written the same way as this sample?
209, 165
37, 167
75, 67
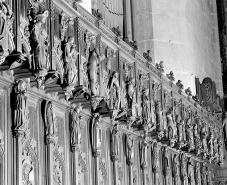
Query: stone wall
184, 34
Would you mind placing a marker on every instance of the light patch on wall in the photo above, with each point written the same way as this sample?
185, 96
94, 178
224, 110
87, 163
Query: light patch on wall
86, 4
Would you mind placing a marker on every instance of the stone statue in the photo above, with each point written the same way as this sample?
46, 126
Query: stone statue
144, 149
155, 163
215, 150
96, 133
130, 92
197, 173
160, 66
220, 151
69, 53
204, 139
203, 174
75, 125
20, 110
179, 131
117, 32
115, 142
6, 32
146, 106
93, 61
50, 119
172, 130
180, 85
175, 170
147, 56
166, 165
129, 149
170, 76
158, 113
197, 140
114, 82
38, 43
183, 168
190, 172
189, 135
224, 125
211, 146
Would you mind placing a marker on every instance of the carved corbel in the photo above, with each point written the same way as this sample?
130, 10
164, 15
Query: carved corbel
20, 113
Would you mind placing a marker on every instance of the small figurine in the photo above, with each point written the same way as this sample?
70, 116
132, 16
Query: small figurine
180, 85
147, 56
117, 32
134, 45
188, 91
170, 76
160, 66
196, 98
98, 14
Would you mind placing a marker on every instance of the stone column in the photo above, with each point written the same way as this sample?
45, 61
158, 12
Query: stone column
75, 152
127, 21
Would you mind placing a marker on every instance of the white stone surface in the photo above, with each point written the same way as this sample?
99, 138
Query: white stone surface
86, 4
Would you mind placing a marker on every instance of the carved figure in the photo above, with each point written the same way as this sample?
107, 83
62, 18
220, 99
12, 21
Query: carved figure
220, 151
75, 125
115, 142
130, 92
160, 66
26, 170
155, 163
93, 61
166, 166
197, 140
203, 174
39, 43
146, 106
129, 149
98, 14
158, 113
197, 173
175, 170
144, 147
180, 85
117, 32
171, 125
190, 172
50, 119
188, 91
114, 82
211, 146
147, 56
189, 135
20, 111
6, 32
179, 131
96, 132
215, 150
69, 53
170, 76
204, 140
183, 168
134, 45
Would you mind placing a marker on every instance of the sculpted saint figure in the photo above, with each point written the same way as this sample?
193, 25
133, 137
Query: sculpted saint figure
158, 113
115, 141
203, 174
114, 82
155, 164
190, 172
96, 132
171, 125
93, 61
189, 135
75, 125
20, 111
166, 166
144, 147
175, 169
38, 43
211, 146
204, 139
146, 106
129, 149
183, 168
197, 140
215, 149
50, 119
197, 173
180, 131
130, 92
70, 62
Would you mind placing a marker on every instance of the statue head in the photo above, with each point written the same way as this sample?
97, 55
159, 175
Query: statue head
22, 86
41, 17
115, 74
71, 40
145, 91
